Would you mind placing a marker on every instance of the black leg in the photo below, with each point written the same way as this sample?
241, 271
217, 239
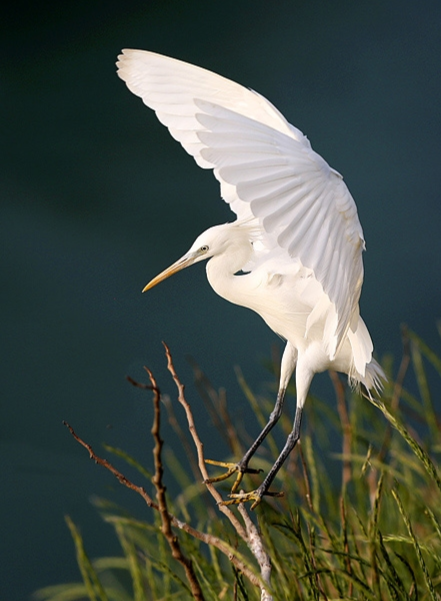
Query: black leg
241, 467
289, 445
303, 380
272, 420
289, 360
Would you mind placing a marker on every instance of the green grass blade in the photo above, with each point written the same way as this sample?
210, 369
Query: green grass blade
416, 546
416, 448
95, 589
133, 563
423, 387
312, 469
129, 459
61, 592
434, 359
395, 584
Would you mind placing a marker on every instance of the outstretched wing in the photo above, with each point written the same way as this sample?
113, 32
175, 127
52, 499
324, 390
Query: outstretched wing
266, 168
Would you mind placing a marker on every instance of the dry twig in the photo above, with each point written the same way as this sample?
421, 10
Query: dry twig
216, 404
200, 450
256, 547
167, 531
233, 555
250, 535
205, 537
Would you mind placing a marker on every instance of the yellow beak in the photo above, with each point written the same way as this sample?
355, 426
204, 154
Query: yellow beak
181, 263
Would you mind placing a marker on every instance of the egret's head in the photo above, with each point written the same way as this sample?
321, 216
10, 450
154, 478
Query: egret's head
211, 242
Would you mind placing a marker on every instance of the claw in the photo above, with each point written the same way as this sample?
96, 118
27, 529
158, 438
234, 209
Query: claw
254, 495
241, 497
237, 481
232, 468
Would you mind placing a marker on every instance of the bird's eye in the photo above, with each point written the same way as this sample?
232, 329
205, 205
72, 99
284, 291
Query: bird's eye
203, 249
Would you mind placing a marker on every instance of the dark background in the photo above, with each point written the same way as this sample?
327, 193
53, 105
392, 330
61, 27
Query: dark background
96, 198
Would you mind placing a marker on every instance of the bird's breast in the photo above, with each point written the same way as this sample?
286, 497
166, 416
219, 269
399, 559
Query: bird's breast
291, 302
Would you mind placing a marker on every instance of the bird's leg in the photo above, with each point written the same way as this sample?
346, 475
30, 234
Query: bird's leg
303, 381
256, 495
241, 467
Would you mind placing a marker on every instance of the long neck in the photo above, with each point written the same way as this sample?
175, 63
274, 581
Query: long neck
221, 269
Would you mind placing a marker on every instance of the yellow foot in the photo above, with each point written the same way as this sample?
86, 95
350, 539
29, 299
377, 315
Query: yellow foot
231, 468
254, 495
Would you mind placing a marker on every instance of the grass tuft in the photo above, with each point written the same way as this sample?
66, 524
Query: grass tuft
363, 523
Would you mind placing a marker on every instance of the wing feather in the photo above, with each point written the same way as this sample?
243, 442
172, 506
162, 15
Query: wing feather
266, 168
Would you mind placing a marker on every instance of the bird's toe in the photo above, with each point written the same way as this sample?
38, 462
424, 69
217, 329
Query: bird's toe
232, 468
255, 496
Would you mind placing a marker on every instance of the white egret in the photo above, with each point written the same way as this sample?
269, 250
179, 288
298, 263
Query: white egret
294, 254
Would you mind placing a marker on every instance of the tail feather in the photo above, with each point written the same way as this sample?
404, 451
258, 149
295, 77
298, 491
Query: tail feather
373, 379
362, 347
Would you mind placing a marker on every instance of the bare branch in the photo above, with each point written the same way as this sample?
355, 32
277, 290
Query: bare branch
184, 440
209, 539
216, 404
167, 531
104, 463
200, 450
257, 548
251, 535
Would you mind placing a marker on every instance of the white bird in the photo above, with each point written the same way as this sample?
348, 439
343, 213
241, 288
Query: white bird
294, 254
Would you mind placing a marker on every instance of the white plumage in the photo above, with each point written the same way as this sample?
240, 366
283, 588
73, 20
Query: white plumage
297, 235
